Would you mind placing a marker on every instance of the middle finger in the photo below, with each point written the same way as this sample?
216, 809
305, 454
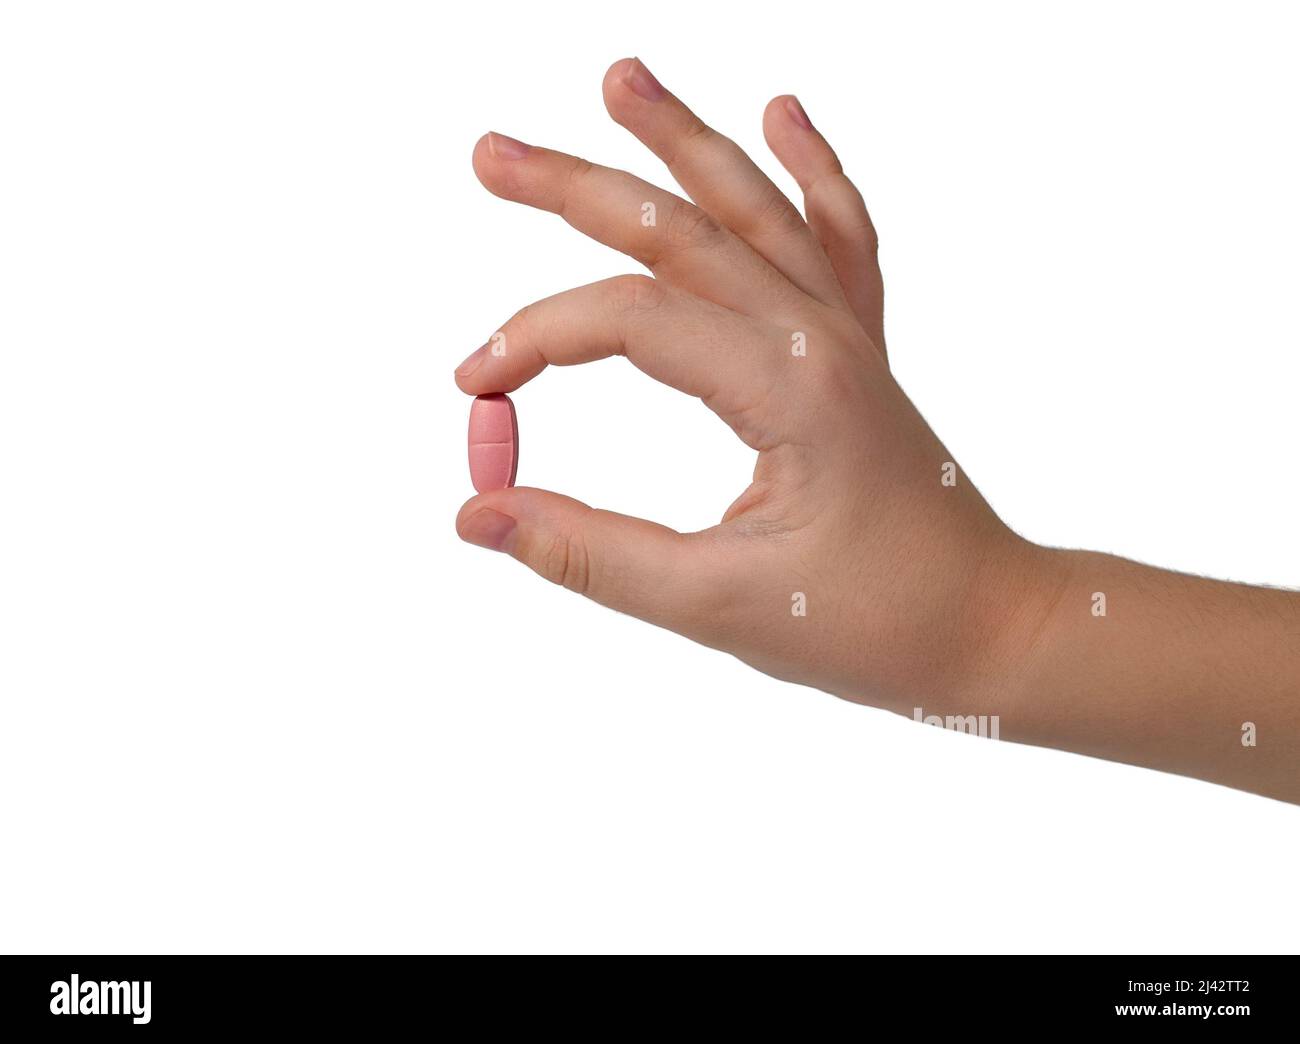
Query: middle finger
673, 238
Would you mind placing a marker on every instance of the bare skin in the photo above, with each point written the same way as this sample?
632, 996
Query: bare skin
914, 593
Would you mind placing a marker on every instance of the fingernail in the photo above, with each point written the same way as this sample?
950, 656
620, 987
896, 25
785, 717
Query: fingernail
643, 81
471, 363
797, 114
488, 528
505, 147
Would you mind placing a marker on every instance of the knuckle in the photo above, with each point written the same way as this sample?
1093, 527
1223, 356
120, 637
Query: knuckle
565, 562
775, 211
579, 169
637, 294
688, 225
521, 327
698, 133
869, 236
835, 194
577, 172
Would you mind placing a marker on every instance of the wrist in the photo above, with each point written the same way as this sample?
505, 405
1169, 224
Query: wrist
1013, 627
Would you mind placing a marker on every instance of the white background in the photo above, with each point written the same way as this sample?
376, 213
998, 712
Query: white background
254, 693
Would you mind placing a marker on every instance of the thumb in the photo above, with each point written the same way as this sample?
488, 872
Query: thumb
629, 564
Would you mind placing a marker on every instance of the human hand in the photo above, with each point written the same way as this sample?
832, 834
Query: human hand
860, 560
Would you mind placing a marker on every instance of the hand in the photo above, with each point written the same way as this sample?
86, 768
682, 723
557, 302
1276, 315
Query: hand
860, 560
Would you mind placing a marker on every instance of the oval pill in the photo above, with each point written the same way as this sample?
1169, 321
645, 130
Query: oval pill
493, 442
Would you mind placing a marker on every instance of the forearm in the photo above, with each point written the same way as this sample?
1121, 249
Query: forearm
1156, 668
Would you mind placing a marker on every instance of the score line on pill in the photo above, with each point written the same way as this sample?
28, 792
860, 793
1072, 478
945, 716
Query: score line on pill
493, 442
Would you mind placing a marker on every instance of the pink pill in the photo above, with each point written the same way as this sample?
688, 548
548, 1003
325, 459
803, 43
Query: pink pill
493, 443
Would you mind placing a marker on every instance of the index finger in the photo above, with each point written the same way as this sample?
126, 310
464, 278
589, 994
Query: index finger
729, 361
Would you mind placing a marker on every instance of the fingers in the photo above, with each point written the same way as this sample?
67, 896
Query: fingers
727, 359
836, 213
628, 564
720, 177
674, 239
